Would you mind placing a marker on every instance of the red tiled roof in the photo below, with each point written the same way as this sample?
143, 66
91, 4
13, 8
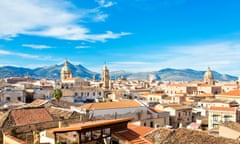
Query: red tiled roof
223, 108
178, 85
204, 85
141, 130
232, 93
205, 95
112, 105
131, 137
91, 124
30, 116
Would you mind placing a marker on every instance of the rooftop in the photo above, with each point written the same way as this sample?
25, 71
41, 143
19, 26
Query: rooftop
187, 136
231, 109
232, 93
30, 116
140, 130
91, 124
112, 105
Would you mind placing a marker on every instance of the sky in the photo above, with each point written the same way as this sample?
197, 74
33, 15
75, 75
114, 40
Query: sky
129, 35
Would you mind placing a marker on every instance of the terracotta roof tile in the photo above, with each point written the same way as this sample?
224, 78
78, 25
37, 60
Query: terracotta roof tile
233, 109
131, 137
59, 113
37, 103
232, 93
91, 124
141, 130
112, 105
30, 116
204, 85
178, 85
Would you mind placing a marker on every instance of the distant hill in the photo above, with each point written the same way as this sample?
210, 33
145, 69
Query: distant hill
168, 74
49, 72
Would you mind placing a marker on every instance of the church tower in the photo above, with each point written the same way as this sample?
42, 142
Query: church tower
66, 71
208, 77
105, 77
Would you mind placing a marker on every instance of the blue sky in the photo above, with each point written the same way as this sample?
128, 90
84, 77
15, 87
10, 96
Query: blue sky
130, 35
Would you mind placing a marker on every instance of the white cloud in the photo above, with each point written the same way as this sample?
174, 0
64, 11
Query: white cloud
34, 46
108, 34
27, 56
105, 3
100, 17
50, 18
4, 52
82, 47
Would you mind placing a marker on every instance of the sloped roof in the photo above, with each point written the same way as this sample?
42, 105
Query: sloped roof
59, 113
232, 93
91, 124
141, 130
30, 116
37, 103
63, 104
3, 117
131, 137
112, 105
223, 108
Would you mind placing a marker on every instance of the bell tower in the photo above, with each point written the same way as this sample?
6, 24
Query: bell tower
105, 77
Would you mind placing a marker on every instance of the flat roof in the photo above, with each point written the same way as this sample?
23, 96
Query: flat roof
92, 124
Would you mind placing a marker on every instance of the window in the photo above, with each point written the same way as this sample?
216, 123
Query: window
19, 98
215, 118
227, 118
8, 98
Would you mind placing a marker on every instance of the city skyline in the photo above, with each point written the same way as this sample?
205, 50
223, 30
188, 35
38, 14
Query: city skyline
135, 36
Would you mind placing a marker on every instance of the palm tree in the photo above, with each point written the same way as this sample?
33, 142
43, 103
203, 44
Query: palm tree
57, 94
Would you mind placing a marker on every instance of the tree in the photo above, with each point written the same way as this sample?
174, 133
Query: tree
57, 94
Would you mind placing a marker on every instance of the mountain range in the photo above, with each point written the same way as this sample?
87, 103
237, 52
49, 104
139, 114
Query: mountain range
168, 74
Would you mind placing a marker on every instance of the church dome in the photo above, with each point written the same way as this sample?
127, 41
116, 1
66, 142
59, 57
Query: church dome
66, 68
208, 74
